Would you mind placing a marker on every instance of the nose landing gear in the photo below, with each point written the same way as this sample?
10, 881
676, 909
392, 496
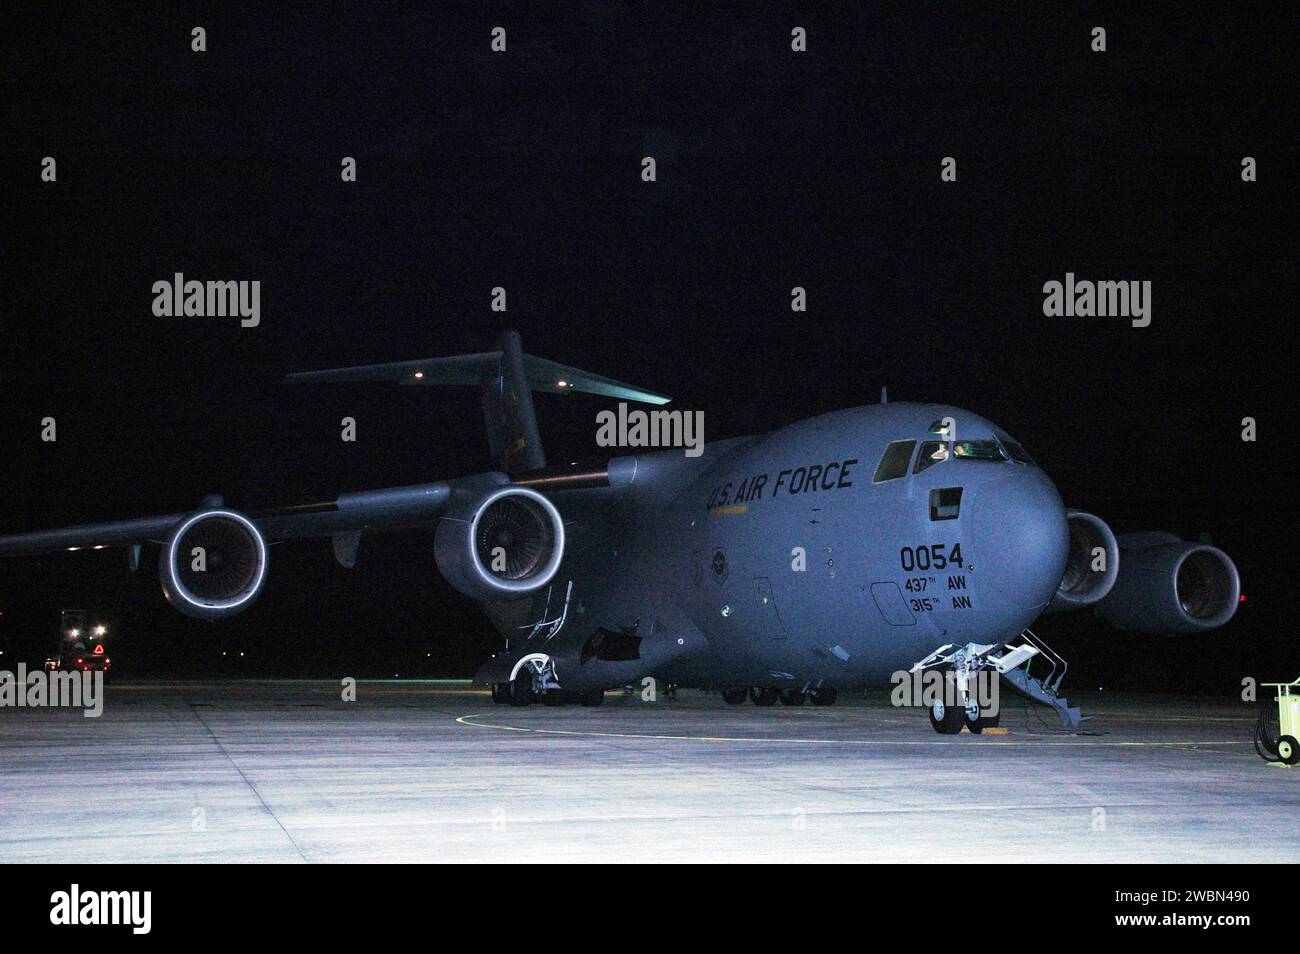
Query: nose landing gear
957, 705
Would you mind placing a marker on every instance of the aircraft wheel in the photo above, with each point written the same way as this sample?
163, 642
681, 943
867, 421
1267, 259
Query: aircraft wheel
984, 721
823, 697
947, 720
555, 697
792, 697
521, 688
500, 692
762, 695
592, 697
734, 697
1288, 750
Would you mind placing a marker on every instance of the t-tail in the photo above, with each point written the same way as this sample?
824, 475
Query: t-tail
507, 378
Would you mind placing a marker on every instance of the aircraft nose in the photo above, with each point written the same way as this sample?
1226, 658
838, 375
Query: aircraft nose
1021, 538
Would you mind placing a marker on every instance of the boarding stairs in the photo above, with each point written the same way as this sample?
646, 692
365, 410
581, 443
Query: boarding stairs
1012, 661
1045, 686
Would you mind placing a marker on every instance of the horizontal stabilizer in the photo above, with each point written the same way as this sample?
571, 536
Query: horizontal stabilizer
460, 369
556, 378
506, 379
482, 368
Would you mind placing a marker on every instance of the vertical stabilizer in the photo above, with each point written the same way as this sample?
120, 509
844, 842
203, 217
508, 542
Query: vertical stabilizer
508, 411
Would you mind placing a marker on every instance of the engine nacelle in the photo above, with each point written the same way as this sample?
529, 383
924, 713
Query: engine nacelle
500, 544
214, 564
1089, 574
1167, 585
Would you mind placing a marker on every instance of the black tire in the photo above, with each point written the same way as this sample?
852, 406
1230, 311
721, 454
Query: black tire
734, 697
592, 697
945, 719
984, 721
763, 695
1288, 749
555, 697
792, 697
823, 697
521, 689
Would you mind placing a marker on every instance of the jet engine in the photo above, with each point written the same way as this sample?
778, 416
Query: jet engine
500, 544
1091, 565
213, 564
1167, 585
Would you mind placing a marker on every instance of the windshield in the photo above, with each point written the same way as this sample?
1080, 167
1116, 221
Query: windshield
978, 450
932, 452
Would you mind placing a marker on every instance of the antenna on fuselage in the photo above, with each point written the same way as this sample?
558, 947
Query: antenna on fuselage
884, 395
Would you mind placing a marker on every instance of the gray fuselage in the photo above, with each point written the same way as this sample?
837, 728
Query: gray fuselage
780, 561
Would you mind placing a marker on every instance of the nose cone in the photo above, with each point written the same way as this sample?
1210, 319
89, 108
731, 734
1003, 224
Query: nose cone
1022, 538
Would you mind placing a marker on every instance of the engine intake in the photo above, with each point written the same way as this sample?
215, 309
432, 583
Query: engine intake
214, 564
1172, 587
1083, 583
500, 544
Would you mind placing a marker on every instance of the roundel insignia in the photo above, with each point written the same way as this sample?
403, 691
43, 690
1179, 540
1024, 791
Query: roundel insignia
719, 564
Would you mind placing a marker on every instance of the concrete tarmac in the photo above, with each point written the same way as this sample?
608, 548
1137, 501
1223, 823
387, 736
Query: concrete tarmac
285, 771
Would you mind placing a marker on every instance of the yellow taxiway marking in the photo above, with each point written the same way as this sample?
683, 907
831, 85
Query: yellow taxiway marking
465, 720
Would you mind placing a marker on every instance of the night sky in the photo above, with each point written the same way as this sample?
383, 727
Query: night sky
522, 169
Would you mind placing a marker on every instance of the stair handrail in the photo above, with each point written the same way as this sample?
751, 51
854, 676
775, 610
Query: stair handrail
1053, 681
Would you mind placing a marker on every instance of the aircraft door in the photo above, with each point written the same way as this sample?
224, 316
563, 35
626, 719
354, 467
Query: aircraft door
769, 615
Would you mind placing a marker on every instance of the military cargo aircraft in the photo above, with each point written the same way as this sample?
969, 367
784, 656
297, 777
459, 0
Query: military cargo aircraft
821, 557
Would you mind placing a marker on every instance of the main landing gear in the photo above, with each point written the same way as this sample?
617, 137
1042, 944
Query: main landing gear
521, 693
768, 695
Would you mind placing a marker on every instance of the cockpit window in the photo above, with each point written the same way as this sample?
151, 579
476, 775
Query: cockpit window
893, 463
1018, 453
978, 450
932, 452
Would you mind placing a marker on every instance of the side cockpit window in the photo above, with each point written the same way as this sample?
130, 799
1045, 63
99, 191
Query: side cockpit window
932, 452
1018, 453
893, 463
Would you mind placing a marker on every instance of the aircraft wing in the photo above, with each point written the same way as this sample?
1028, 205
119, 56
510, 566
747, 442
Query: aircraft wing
495, 540
391, 507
